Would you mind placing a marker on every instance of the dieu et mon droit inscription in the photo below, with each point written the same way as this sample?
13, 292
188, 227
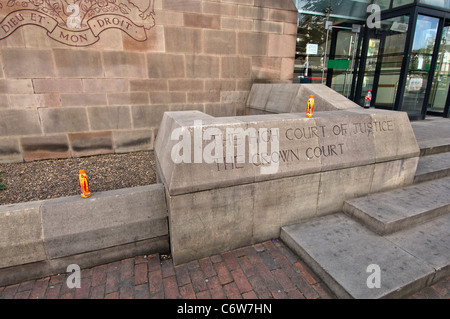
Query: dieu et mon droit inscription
78, 22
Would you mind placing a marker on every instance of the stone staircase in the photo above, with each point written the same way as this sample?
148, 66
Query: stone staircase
405, 232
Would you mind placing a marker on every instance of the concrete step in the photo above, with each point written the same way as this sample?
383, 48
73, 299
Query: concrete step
433, 135
398, 209
430, 147
345, 255
433, 167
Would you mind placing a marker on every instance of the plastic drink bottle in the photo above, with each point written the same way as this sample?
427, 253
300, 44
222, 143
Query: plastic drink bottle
310, 106
84, 184
368, 99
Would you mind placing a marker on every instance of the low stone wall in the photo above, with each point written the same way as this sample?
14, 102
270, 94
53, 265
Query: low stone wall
42, 238
300, 168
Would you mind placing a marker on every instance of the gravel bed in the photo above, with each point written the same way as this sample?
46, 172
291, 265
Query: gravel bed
45, 179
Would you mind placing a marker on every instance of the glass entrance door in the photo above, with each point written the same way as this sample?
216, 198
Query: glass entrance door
419, 66
383, 64
373, 50
441, 78
342, 62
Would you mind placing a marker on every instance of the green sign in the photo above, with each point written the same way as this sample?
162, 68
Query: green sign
338, 64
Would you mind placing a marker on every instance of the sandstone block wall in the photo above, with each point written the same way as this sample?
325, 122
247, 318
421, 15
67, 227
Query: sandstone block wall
102, 88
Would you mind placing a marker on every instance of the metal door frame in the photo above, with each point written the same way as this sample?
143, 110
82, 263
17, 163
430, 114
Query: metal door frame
446, 111
356, 29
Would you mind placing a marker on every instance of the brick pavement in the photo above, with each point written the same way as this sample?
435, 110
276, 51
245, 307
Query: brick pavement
264, 271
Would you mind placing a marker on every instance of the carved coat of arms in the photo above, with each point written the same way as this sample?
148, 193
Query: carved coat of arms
78, 22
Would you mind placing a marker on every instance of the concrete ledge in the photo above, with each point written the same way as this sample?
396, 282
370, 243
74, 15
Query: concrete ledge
21, 238
42, 238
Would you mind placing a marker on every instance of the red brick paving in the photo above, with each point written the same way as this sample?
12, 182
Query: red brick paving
263, 271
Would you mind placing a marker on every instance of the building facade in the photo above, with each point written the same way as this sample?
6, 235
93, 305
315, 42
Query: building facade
84, 77
398, 49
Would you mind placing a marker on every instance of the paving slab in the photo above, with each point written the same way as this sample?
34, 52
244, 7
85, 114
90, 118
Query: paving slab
340, 251
267, 270
401, 208
262, 264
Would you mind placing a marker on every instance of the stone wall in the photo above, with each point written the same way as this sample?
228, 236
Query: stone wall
103, 85
41, 238
235, 181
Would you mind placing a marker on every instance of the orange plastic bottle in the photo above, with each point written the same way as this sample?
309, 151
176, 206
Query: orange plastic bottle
310, 106
84, 184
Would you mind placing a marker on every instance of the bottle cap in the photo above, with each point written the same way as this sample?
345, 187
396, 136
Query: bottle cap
81, 171
311, 96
